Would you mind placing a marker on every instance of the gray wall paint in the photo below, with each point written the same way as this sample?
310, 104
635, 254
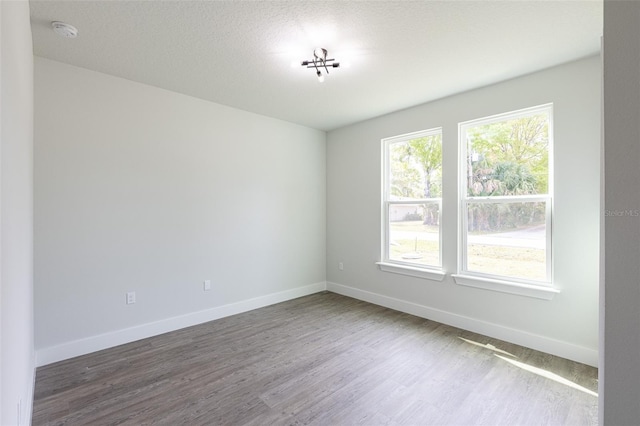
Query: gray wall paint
142, 189
353, 204
16, 214
620, 367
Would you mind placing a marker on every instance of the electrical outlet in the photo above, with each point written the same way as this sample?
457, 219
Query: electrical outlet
341, 266
131, 297
207, 285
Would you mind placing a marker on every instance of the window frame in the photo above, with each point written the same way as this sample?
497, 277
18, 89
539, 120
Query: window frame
433, 272
535, 288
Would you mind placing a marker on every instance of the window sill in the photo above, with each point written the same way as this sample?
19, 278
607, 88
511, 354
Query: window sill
529, 290
435, 274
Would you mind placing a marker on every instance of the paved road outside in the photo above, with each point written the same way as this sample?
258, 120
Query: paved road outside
533, 237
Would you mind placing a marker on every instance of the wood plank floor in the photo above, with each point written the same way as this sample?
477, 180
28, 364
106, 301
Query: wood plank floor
323, 359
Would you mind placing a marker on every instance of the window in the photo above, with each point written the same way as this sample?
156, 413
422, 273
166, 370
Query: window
506, 197
412, 191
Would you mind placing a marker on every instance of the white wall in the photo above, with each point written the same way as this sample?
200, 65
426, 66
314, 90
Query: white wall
141, 189
566, 325
16, 214
620, 365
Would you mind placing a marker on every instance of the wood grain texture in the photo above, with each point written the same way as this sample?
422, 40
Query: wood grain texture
323, 359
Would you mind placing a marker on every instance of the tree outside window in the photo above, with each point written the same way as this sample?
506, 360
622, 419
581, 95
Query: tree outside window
506, 196
412, 198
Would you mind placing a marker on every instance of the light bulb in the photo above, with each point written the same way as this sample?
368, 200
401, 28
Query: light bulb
320, 77
320, 53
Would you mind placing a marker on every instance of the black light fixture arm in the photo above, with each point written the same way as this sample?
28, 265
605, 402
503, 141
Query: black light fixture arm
312, 64
320, 61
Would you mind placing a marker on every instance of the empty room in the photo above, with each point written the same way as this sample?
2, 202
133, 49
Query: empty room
320, 212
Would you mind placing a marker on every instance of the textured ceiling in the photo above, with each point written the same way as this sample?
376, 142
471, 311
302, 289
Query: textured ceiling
239, 53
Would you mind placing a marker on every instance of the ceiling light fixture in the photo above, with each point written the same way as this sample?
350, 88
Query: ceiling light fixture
319, 61
65, 30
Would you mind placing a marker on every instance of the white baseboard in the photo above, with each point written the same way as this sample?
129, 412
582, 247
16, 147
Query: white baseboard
87, 345
103, 341
544, 344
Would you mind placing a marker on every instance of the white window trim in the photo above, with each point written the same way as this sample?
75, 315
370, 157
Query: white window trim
538, 289
503, 286
431, 272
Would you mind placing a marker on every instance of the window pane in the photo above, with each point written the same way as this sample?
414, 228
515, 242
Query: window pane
510, 157
414, 233
415, 168
507, 239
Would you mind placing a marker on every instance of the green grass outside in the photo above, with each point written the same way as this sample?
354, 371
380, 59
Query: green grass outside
518, 262
413, 226
428, 249
521, 262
